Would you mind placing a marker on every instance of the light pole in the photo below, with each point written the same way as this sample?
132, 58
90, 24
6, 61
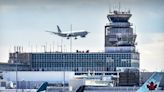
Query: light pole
16, 77
16, 56
63, 73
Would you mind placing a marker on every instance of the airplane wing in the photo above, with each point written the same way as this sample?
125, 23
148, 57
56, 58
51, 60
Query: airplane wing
83, 34
152, 83
70, 34
75, 34
43, 87
52, 32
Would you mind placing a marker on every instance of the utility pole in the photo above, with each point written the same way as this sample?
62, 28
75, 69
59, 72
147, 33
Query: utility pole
71, 39
16, 77
16, 70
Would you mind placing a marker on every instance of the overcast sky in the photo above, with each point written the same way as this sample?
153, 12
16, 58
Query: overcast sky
23, 23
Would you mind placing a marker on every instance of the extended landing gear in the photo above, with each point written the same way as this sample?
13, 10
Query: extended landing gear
75, 38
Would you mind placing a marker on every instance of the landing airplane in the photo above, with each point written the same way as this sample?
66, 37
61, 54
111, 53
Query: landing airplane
152, 83
83, 33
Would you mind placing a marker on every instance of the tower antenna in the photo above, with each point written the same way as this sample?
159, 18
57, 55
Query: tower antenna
109, 8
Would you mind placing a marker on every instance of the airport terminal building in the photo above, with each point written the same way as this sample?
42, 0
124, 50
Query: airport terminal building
91, 61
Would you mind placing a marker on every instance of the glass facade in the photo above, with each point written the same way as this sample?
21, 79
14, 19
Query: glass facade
83, 61
14, 67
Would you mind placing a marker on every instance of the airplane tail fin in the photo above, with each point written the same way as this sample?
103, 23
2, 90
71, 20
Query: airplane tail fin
59, 30
43, 87
152, 83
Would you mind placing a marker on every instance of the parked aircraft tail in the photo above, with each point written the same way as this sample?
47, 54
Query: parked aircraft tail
43, 87
152, 83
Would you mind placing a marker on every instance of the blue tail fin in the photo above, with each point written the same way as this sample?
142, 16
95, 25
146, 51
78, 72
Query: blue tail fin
152, 83
43, 87
58, 29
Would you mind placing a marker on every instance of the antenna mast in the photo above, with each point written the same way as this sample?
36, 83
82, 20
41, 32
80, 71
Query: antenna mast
71, 38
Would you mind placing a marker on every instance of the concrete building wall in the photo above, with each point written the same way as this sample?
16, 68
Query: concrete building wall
49, 76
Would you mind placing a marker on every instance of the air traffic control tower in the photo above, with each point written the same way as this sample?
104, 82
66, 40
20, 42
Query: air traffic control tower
120, 37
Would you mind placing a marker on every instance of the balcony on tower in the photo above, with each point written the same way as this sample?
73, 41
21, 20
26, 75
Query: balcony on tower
117, 16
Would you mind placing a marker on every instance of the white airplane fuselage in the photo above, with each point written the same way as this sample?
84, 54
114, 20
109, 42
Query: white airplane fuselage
82, 33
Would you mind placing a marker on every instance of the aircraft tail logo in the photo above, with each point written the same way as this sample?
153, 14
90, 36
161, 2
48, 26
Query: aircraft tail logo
152, 86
